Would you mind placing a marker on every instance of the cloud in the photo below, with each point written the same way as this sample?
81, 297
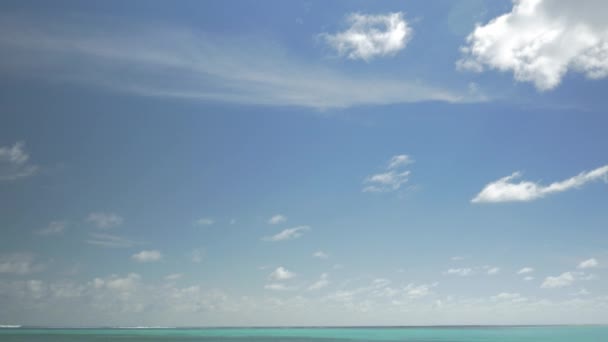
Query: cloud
276, 219
54, 228
320, 255
528, 278
525, 270
288, 234
505, 190
105, 220
463, 272
205, 221
19, 263
127, 284
493, 270
509, 297
321, 283
457, 258
277, 287
108, 240
147, 256
563, 280
391, 180
169, 62
589, 263
282, 273
15, 162
414, 292
539, 41
174, 276
371, 36
197, 255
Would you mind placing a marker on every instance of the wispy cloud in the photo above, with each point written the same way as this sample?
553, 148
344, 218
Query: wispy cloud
108, 240
463, 272
525, 270
321, 283
147, 256
320, 255
186, 64
54, 228
276, 219
392, 179
197, 255
205, 221
105, 220
371, 36
288, 234
506, 190
19, 263
15, 162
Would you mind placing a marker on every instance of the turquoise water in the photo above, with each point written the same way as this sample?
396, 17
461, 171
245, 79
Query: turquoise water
413, 334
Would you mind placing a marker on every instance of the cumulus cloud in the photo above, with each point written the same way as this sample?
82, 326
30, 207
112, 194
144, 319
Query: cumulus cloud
276, 219
288, 234
277, 287
18, 263
205, 221
506, 189
525, 270
174, 276
510, 297
321, 283
540, 40
109, 240
589, 263
54, 228
562, 280
15, 162
393, 177
281, 273
418, 291
105, 220
371, 36
320, 255
147, 256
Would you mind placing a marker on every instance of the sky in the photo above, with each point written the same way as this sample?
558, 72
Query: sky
246, 163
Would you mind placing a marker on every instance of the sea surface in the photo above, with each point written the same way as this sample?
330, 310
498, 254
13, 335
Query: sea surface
411, 334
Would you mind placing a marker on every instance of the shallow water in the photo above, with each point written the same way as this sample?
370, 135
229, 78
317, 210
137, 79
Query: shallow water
413, 334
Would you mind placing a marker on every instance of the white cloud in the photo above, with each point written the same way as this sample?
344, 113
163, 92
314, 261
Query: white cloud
320, 255
493, 270
277, 287
54, 228
174, 276
414, 292
276, 219
528, 278
505, 190
463, 272
321, 283
525, 270
116, 283
205, 221
105, 220
108, 240
186, 64
589, 263
288, 234
390, 180
281, 273
371, 36
563, 280
540, 40
457, 258
510, 297
14, 162
147, 256
197, 255
18, 263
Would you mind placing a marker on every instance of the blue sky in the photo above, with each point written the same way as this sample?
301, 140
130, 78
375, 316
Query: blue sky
303, 163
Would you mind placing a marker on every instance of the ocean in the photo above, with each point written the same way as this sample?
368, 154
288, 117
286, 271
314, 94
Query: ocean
410, 334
